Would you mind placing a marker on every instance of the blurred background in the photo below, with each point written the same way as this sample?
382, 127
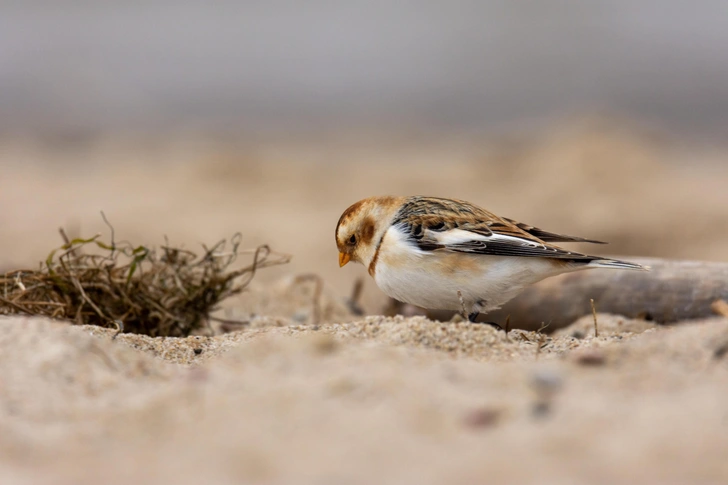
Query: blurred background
606, 119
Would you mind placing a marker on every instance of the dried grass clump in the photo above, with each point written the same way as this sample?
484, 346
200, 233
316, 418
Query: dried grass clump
165, 292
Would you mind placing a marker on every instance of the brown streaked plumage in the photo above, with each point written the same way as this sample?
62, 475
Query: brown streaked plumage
423, 250
548, 236
372, 268
453, 213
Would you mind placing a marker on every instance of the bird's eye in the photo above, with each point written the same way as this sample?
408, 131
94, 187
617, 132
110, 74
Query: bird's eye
352, 240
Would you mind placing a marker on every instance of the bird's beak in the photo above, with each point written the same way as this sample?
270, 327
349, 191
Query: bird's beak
343, 259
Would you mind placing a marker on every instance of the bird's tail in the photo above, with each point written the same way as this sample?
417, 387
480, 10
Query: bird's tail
616, 264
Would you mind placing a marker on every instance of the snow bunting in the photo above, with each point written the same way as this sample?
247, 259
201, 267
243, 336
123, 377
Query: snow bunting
427, 250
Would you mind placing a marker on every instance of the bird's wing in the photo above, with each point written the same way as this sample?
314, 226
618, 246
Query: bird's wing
547, 236
433, 224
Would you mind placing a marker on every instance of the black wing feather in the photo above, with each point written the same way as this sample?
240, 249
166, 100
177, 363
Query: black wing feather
512, 248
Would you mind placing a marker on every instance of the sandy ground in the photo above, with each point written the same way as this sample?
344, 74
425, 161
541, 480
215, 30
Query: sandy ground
363, 399
377, 401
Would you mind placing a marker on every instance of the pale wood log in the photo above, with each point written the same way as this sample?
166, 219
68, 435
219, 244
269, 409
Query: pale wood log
672, 291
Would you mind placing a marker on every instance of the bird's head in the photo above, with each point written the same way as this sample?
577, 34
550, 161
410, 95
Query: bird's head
362, 226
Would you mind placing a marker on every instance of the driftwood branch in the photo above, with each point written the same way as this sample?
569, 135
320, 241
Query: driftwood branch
672, 291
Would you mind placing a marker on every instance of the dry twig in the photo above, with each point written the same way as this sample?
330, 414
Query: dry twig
316, 302
594, 314
541, 339
353, 301
462, 305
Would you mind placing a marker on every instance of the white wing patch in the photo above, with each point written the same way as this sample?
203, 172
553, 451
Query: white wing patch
516, 241
455, 236
463, 241
461, 237
396, 240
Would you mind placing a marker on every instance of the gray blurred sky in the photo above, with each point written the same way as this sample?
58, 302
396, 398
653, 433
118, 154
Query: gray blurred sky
79, 65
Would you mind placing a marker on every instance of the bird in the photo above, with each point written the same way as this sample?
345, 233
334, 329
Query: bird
448, 254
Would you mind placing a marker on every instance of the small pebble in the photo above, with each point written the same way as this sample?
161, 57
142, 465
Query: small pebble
541, 409
546, 381
720, 351
481, 418
197, 375
300, 317
590, 357
323, 343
